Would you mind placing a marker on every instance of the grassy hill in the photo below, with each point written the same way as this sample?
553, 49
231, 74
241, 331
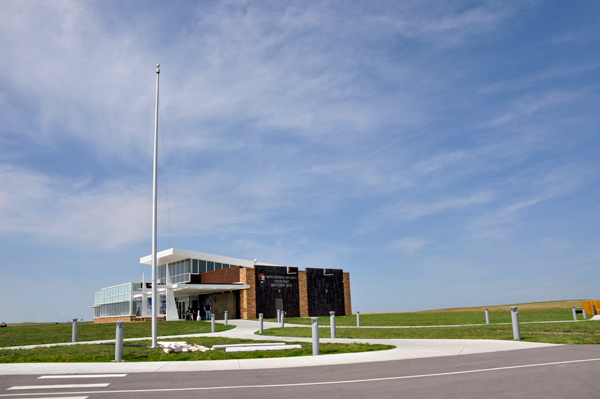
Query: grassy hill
531, 305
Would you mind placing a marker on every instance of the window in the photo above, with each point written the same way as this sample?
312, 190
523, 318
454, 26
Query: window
180, 271
162, 309
201, 266
113, 309
162, 274
120, 293
137, 308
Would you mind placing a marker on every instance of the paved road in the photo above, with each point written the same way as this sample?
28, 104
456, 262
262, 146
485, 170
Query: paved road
547, 372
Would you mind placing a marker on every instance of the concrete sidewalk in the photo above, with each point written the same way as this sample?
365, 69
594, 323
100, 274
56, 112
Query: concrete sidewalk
404, 349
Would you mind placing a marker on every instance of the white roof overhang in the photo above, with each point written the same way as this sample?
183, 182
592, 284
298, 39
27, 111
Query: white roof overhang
173, 255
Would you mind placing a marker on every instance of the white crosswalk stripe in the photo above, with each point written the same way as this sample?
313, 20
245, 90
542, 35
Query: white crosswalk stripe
81, 376
61, 397
63, 386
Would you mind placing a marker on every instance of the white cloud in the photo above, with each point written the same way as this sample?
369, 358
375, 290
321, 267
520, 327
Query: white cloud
59, 209
298, 68
118, 212
78, 80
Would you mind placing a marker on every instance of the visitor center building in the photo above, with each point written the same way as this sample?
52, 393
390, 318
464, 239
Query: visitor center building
190, 282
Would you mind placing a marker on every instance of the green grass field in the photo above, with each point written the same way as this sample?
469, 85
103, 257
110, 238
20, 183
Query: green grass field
56, 333
559, 333
443, 317
138, 351
555, 333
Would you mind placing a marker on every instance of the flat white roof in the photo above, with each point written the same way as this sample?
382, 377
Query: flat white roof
173, 255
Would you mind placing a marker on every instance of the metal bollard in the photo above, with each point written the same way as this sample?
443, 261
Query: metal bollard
260, 323
212, 322
278, 315
487, 316
584, 315
119, 341
574, 313
315, 336
515, 322
357, 319
226, 321
282, 319
74, 331
332, 323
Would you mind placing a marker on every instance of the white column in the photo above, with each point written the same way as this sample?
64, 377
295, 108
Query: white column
144, 304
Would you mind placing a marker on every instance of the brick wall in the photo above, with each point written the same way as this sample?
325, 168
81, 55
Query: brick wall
224, 276
303, 293
347, 297
248, 297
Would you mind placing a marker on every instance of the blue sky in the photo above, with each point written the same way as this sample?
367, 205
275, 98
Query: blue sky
444, 153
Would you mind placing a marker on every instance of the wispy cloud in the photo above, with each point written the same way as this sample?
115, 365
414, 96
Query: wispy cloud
408, 210
537, 79
57, 209
587, 34
444, 24
526, 107
500, 223
409, 245
289, 69
63, 210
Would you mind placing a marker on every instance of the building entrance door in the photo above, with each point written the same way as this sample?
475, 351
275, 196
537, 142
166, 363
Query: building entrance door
181, 309
278, 304
194, 305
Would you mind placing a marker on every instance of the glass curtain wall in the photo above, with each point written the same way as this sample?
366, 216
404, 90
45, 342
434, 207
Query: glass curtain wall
118, 293
180, 271
114, 301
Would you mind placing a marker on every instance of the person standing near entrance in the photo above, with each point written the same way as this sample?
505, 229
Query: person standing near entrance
207, 308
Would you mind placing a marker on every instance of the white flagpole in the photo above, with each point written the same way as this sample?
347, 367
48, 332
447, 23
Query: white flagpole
155, 300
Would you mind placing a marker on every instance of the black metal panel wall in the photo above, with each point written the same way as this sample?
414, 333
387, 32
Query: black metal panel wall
274, 282
325, 292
